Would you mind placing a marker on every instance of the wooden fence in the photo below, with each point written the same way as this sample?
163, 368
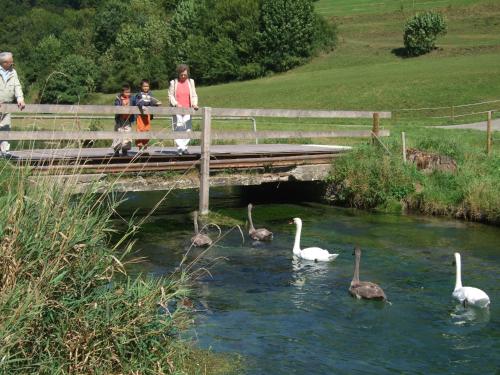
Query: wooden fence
206, 135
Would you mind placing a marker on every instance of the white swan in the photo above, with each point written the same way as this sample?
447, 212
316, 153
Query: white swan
466, 294
311, 253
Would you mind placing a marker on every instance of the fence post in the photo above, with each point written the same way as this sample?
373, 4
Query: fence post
403, 139
205, 160
254, 122
376, 127
488, 134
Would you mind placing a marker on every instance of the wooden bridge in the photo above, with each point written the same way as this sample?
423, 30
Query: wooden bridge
271, 162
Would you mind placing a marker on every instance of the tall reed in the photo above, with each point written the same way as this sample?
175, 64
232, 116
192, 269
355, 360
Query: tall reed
67, 305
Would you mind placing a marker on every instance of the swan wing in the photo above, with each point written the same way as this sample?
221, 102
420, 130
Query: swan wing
367, 290
317, 254
261, 234
200, 240
473, 296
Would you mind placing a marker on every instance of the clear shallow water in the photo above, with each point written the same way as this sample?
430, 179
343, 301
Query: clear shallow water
290, 317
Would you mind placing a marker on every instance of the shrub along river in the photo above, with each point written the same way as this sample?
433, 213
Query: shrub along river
296, 317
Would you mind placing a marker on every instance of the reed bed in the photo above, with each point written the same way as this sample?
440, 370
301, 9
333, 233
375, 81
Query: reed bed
67, 305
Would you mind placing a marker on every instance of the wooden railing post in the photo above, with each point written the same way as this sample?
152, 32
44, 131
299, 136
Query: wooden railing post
403, 140
488, 134
376, 127
205, 160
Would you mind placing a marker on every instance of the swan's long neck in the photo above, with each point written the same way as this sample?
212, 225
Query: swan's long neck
296, 244
195, 217
355, 278
250, 218
458, 262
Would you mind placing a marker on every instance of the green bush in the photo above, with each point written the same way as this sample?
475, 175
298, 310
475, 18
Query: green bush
67, 305
421, 32
368, 178
287, 33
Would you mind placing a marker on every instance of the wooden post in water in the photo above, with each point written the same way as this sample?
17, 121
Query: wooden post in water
376, 127
488, 134
403, 139
206, 113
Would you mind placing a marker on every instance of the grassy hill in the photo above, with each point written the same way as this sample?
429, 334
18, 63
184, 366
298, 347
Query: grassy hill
365, 72
354, 7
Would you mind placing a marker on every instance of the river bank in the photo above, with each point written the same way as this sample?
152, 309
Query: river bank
376, 178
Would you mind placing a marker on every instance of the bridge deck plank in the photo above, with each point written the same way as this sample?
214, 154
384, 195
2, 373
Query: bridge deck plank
216, 150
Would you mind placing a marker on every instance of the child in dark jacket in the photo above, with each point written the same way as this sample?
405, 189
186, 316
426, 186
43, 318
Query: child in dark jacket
144, 99
123, 122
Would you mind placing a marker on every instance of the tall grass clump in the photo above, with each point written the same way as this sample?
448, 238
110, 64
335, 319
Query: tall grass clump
368, 178
67, 305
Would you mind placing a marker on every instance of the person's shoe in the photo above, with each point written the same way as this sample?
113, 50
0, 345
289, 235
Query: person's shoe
4, 147
124, 153
179, 152
116, 153
185, 152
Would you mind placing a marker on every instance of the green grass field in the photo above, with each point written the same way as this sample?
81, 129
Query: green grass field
351, 7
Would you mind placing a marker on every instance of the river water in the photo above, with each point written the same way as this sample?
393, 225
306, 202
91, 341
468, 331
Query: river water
290, 317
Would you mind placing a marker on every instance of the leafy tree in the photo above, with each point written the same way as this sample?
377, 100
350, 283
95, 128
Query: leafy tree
217, 38
421, 32
325, 34
45, 57
139, 50
73, 80
110, 15
212, 62
287, 33
184, 23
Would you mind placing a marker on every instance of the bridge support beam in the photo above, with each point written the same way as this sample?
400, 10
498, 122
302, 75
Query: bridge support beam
205, 160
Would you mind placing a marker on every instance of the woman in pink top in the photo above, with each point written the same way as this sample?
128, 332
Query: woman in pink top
182, 93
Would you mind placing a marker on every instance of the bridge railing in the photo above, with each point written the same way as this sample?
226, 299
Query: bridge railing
206, 111
206, 135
